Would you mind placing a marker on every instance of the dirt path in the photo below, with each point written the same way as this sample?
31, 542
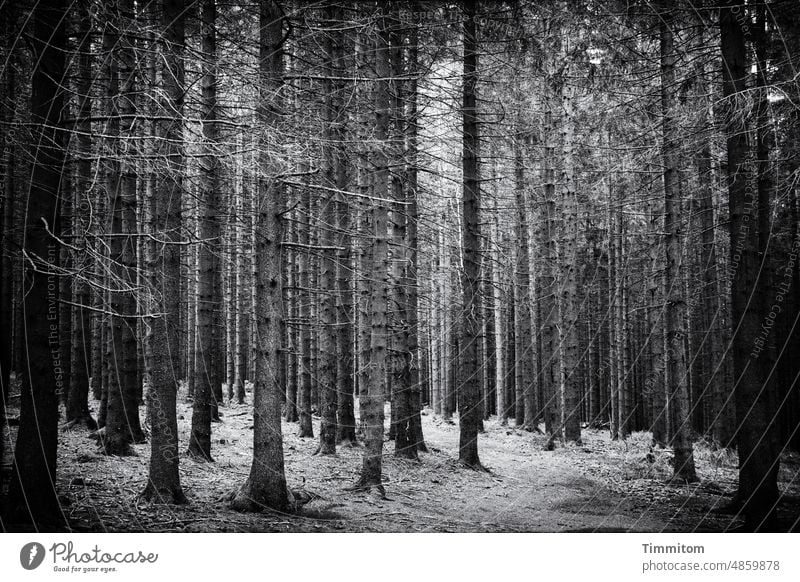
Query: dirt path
600, 486
527, 488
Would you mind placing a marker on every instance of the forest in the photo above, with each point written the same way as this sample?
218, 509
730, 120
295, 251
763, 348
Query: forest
337, 265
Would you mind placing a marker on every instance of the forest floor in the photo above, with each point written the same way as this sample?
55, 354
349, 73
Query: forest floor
602, 485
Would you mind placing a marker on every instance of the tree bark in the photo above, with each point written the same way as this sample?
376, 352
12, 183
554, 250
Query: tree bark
81, 344
7, 211
570, 386
675, 316
207, 348
122, 425
32, 496
327, 379
413, 358
405, 371
613, 299
758, 456
469, 392
499, 320
345, 273
621, 369
548, 300
655, 386
163, 485
346, 420
243, 283
525, 379
306, 344
266, 485
209, 284
437, 315
293, 335
372, 395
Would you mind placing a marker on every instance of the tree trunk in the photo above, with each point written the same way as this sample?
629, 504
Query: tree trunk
594, 326
620, 327
548, 300
229, 274
405, 371
190, 263
364, 183
7, 211
656, 382
65, 284
208, 342
243, 285
266, 485
758, 456
499, 320
292, 388
721, 405
525, 381
413, 357
78, 401
306, 345
122, 424
346, 421
345, 272
32, 496
675, 316
570, 386
613, 335
372, 396
469, 392
163, 484
447, 391
328, 334
98, 317
437, 315
208, 379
